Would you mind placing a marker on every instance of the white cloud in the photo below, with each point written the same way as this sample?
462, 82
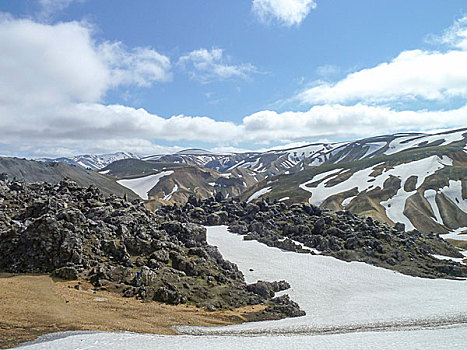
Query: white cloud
99, 128
140, 66
207, 65
47, 64
454, 36
338, 121
413, 74
286, 12
49, 7
328, 70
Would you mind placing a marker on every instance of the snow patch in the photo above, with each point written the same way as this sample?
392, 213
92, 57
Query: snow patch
142, 185
347, 201
259, 193
454, 193
169, 196
430, 196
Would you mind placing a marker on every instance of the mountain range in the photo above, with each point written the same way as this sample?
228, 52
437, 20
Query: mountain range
416, 179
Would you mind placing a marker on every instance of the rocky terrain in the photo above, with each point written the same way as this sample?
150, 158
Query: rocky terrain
74, 233
305, 228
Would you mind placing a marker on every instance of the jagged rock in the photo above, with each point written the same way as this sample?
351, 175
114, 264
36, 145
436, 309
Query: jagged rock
74, 232
66, 273
400, 227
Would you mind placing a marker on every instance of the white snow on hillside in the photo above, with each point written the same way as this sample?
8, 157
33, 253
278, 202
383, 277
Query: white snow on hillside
142, 185
363, 181
454, 193
430, 196
169, 196
259, 193
347, 201
457, 234
373, 147
402, 143
452, 338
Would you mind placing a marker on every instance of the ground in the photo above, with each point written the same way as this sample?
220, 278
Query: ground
32, 305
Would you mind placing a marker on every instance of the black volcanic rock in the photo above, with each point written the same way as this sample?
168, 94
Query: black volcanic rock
78, 233
303, 228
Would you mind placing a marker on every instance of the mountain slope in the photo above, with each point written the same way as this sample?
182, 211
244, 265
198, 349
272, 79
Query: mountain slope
92, 161
54, 172
169, 183
423, 186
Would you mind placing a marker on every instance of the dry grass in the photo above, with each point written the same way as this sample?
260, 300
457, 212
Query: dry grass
32, 305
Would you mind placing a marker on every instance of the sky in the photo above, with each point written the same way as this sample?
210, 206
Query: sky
158, 76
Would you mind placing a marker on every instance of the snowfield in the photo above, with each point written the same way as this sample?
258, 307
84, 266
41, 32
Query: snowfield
430, 196
142, 185
169, 196
348, 305
337, 295
452, 338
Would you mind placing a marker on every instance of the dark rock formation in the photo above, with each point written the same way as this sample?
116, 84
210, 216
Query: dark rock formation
304, 228
77, 233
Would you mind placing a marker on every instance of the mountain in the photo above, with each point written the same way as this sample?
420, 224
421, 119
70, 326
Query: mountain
168, 183
293, 160
413, 178
416, 179
94, 162
53, 172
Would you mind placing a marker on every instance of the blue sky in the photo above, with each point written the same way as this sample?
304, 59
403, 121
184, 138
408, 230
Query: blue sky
154, 76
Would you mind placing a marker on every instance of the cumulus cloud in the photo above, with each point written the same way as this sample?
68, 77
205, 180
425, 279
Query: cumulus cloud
413, 74
208, 65
339, 121
140, 66
286, 12
47, 64
97, 128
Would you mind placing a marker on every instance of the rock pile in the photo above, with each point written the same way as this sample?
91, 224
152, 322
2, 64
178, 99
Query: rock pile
305, 228
73, 232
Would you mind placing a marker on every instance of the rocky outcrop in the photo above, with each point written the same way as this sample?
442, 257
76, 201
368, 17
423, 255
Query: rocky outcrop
78, 233
305, 228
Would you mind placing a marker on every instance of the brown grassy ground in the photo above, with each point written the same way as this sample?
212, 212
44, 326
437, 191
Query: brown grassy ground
32, 305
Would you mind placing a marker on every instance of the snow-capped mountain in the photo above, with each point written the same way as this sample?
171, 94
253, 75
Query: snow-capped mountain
419, 180
293, 160
92, 161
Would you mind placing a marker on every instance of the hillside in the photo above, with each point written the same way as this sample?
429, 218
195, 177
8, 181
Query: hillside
54, 172
93, 161
168, 183
423, 185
